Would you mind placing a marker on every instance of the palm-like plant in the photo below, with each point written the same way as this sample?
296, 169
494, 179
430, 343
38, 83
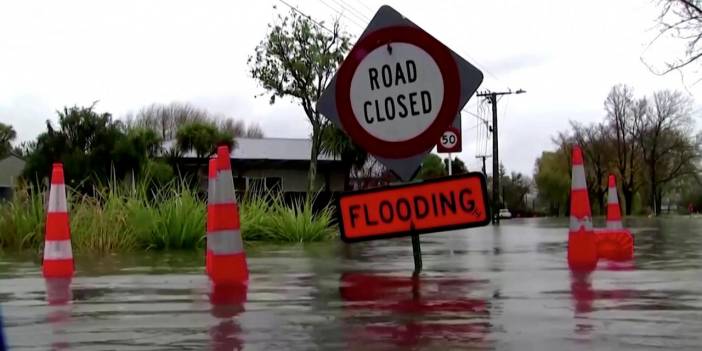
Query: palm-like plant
336, 143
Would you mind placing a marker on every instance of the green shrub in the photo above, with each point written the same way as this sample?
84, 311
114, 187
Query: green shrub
124, 216
266, 216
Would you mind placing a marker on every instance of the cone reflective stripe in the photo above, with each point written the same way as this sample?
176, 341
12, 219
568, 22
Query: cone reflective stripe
228, 263
582, 248
614, 213
211, 191
580, 215
58, 255
225, 242
58, 250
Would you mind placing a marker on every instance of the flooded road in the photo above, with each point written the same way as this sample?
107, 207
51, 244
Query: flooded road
503, 288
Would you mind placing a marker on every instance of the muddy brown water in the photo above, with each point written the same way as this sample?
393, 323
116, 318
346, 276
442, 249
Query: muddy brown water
503, 288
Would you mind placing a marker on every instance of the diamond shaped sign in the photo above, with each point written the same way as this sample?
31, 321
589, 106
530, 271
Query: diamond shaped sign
397, 91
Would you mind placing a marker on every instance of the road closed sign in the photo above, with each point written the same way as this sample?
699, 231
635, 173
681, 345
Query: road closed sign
397, 91
430, 206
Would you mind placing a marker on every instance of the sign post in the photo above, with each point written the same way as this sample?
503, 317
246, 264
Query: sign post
416, 251
395, 94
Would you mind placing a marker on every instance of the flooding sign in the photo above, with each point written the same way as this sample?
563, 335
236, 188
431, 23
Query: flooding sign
430, 206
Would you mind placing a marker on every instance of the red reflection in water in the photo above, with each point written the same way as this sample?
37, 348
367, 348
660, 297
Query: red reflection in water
422, 309
59, 297
227, 303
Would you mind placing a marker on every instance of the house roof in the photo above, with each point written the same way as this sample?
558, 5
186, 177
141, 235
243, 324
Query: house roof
268, 149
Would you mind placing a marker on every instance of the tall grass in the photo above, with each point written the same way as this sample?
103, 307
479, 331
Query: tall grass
124, 216
266, 216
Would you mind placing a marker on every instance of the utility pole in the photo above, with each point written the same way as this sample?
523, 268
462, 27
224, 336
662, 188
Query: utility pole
491, 97
483, 157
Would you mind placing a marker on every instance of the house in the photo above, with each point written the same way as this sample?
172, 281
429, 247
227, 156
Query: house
275, 163
11, 168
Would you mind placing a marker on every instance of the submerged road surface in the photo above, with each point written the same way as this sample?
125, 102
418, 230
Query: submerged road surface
503, 288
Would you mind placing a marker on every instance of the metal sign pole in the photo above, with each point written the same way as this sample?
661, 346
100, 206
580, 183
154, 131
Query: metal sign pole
416, 250
450, 165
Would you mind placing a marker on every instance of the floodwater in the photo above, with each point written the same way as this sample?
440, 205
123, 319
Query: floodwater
503, 288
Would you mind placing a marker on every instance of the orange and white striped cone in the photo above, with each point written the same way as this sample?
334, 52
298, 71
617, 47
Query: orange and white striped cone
614, 242
582, 249
58, 255
228, 263
211, 189
614, 213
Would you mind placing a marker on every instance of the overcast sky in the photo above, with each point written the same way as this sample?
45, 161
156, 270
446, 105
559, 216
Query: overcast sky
128, 54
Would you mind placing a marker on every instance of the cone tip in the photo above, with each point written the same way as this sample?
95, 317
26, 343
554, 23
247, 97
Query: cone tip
577, 155
57, 174
612, 181
222, 150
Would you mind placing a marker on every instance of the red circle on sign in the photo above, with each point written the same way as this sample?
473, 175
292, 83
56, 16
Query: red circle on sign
449, 106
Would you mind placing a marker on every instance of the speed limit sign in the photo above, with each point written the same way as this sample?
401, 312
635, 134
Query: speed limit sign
450, 141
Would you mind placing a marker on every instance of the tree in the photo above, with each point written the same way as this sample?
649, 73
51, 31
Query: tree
622, 112
7, 135
593, 141
515, 187
90, 145
336, 143
552, 181
668, 150
432, 167
681, 20
166, 120
457, 166
202, 138
297, 59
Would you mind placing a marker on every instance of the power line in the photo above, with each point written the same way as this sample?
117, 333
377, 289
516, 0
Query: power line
340, 13
364, 5
306, 16
352, 10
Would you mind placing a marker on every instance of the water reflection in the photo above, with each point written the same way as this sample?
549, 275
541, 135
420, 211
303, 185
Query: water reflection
411, 311
59, 297
227, 303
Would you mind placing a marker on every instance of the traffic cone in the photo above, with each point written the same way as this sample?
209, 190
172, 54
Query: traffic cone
228, 263
582, 249
614, 242
614, 213
58, 255
211, 188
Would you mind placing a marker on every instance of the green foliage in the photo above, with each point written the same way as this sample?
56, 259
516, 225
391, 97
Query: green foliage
91, 146
515, 187
203, 138
432, 167
297, 59
7, 135
457, 166
22, 220
336, 143
266, 217
126, 216
552, 180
